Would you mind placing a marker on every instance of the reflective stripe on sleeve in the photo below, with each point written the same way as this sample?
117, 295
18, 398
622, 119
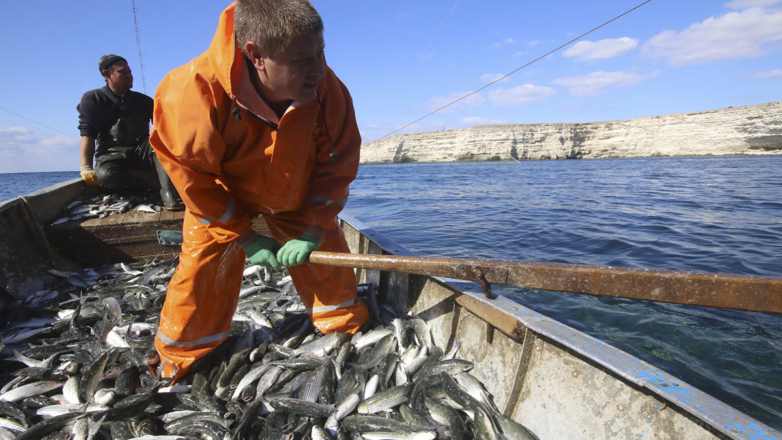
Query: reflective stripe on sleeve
327, 202
205, 340
322, 309
229, 211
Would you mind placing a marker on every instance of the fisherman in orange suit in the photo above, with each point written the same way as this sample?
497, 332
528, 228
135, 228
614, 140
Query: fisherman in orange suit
257, 125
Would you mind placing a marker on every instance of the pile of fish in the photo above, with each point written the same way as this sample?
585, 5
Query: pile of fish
104, 206
80, 364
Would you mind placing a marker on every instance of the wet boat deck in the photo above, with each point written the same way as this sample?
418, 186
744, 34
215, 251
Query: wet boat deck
135, 217
126, 237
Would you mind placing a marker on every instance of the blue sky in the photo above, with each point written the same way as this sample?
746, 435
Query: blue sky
402, 59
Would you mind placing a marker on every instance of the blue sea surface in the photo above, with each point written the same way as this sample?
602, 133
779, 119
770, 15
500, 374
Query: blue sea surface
715, 214
13, 185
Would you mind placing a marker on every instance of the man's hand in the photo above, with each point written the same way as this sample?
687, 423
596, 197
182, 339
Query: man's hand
296, 251
89, 176
260, 250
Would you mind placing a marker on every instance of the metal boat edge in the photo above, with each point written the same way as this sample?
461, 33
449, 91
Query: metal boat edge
557, 381
640, 401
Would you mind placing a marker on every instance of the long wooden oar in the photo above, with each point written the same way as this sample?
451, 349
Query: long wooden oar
739, 292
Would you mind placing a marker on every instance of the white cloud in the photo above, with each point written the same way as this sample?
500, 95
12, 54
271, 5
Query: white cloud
744, 4
475, 100
491, 77
380, 129
479, 120
776, 73
596, 82
372, 131
505, 42
602, 49
520, 95
24, 151
733, 35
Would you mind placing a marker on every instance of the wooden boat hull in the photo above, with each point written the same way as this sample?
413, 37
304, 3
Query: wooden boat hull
557, 381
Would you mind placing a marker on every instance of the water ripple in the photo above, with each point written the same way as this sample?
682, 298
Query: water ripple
704, 214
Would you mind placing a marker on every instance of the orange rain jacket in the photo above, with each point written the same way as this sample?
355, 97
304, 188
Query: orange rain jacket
209, 123
231, 158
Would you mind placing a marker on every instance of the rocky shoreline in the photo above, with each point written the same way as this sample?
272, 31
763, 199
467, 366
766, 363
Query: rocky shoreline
749, 130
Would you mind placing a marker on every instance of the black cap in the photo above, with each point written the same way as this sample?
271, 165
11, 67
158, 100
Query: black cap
107, 60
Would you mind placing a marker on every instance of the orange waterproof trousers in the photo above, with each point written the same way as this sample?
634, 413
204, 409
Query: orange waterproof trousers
203, 293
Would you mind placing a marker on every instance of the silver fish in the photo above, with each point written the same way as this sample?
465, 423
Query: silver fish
390, 398
28, 390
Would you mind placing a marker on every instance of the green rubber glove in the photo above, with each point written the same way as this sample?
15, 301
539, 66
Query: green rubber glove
296, 251
260, 250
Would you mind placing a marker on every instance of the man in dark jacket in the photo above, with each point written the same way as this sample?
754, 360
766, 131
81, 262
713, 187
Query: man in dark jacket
114, 127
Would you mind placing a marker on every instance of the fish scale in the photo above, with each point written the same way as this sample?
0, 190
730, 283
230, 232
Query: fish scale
390, 398
273, 348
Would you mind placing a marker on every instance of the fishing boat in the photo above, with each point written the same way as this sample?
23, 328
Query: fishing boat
558, 382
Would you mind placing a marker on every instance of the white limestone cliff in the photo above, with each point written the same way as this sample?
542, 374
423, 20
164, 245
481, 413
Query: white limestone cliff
755, 129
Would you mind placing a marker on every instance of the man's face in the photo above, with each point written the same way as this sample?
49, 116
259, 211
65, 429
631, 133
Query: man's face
119, 76
293, 74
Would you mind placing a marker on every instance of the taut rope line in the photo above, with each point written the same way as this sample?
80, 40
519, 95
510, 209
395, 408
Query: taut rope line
138, 43
531, 62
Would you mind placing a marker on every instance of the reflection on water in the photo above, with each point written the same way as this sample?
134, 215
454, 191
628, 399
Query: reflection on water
13, 185
708, 214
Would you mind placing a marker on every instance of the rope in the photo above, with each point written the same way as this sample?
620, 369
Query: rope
138, 43
511, 73
50, 128
441, 27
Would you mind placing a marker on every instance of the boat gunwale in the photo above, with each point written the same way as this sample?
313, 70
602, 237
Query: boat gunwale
718, 416
714, 413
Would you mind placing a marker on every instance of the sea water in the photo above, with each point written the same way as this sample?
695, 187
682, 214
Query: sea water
716, 214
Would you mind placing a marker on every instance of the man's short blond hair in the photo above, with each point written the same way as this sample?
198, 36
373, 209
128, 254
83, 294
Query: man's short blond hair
273, 24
